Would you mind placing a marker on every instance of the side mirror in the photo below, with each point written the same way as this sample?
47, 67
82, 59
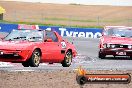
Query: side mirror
103, 34
49, 40
1, 38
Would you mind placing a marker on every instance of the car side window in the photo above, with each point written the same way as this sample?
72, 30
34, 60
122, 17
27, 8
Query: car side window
52, 35
108, 32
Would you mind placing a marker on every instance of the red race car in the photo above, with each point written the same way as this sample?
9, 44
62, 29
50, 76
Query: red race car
116, 41
31, 47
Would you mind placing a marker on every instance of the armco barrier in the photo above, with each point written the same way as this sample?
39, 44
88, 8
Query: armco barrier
68, 31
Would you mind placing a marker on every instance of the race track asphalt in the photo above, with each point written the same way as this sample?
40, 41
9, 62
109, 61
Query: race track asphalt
87, 58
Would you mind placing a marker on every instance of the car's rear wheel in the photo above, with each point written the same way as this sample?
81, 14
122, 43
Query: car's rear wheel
34, 61
67, 59
100, 55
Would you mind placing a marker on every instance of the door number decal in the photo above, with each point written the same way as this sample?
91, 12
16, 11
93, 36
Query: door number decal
63, 44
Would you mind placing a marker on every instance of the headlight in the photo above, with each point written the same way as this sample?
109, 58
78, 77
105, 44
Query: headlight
112, 46
108, 45
1, 53
105, 45
129, 46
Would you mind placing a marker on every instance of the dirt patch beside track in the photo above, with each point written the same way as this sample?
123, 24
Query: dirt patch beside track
52, 79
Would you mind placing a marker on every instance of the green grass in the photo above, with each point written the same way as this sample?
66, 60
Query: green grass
84, 20
65, 19
116, 21
41, 24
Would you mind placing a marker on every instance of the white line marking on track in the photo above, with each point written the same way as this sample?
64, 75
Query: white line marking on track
22, 70
6, 64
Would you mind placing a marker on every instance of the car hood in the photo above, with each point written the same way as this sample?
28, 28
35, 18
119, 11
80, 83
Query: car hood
15, 45
118, 40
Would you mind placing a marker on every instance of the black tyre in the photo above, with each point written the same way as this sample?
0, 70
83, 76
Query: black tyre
34, 61
102, 56
130, 57
68, 59
81, 80
25, 64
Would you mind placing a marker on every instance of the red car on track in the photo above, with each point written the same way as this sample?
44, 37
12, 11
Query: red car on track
31, 47
116, 41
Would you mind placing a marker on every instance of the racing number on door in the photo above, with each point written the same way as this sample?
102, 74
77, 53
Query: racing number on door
63, 45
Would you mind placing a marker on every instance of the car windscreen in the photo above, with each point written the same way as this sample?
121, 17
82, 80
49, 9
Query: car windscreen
119, 32
30, 35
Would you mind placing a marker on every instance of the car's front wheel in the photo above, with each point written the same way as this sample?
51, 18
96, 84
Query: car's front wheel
130, 57
25, 64
100, 55
34, 61
67, 59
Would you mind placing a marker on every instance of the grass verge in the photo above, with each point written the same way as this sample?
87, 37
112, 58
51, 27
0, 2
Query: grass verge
41, 24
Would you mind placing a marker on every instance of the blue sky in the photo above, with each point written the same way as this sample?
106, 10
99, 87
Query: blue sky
86, 2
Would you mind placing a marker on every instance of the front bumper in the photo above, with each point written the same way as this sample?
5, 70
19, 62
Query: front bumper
14, 55
116, 51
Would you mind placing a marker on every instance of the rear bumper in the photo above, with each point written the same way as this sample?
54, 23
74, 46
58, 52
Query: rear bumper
116, 52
